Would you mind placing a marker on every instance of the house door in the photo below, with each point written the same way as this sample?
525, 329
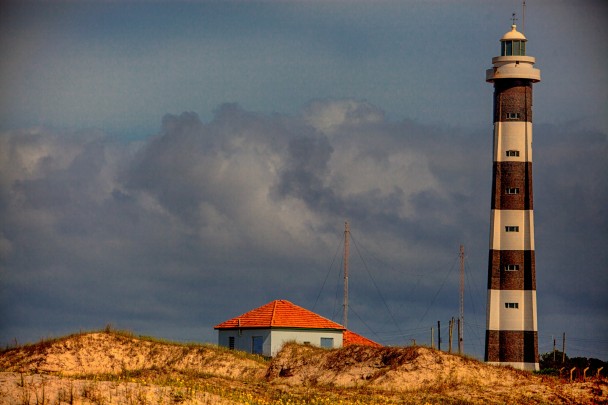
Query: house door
257, 345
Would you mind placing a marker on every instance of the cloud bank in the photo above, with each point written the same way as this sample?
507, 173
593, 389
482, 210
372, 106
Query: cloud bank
205, 220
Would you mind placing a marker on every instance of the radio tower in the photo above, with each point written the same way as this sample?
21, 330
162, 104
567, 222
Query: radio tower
346, 254
461, 320
511, 325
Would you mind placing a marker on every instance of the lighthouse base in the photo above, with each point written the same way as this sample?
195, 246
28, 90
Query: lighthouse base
517, 365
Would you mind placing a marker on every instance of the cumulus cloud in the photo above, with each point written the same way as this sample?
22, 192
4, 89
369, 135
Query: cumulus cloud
203, 220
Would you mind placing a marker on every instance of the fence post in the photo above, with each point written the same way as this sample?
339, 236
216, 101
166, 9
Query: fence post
571, 372
585, 373
598, 371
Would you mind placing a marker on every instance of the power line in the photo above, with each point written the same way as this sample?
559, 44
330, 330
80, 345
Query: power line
327, 275
471, 287
374, 282
364, 323
438, 291
414, 286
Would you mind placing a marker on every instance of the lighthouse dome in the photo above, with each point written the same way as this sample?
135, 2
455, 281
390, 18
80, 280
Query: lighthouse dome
513, 35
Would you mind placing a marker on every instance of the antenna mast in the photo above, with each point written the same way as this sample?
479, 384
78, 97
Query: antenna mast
523, 17
346, 253
461, 323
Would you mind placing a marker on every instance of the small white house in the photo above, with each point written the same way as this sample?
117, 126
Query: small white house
264, 330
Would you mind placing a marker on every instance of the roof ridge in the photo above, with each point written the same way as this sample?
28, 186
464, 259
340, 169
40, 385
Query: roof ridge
274, 310
278, 314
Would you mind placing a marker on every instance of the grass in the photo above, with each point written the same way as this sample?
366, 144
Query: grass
186, 386
136, 387
40, 346
176, 372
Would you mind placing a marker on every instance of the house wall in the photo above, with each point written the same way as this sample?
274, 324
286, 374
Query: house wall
274, 339
313, 337
243, 339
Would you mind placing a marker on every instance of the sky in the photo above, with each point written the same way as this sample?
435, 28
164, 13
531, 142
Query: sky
166, 166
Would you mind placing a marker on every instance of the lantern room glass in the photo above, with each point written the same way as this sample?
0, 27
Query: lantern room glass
513, 48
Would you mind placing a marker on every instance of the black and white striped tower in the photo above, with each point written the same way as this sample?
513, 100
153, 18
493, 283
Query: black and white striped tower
511, 327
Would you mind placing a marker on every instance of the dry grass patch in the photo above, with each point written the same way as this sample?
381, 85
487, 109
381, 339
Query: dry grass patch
419, 375
109, 367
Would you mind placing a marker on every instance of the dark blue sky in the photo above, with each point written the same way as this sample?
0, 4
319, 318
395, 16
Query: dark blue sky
165, 166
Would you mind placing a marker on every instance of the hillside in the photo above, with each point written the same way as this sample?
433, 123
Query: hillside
117, 368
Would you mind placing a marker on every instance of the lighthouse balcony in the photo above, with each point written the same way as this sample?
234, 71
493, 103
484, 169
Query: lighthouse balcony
498, 60
513, 71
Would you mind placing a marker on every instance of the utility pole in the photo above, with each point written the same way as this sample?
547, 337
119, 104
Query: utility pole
432, 338
553, 350
439, 335
461, 320
564, 348
346, 254
459, 348
450, 335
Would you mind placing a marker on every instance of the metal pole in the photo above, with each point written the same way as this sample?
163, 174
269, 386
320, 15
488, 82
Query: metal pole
346, 254
459, 339
461, 323
523, 17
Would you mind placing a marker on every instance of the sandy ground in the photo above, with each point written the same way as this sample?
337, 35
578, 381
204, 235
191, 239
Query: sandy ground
115, 368
425, 370
98, 353
17, 389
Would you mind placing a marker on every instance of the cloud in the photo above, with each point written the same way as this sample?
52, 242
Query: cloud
204, 220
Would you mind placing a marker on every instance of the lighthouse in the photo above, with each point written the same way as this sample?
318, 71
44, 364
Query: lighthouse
511, 323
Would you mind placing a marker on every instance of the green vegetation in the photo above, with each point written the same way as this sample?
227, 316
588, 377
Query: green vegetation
556, 363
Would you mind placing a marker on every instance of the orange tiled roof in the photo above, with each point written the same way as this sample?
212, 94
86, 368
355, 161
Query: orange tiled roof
279, 314
351, 338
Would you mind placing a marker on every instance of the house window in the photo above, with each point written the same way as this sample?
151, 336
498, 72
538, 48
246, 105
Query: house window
231, 342
512, 190
327, 342
512, 267
512, 305
512, 116
511, 153
511, 228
